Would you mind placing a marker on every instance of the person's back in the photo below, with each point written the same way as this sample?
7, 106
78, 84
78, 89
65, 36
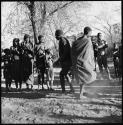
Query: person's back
83, 54
64, 51
83, 60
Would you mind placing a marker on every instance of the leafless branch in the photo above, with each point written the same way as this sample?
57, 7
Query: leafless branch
99, 29
58, 8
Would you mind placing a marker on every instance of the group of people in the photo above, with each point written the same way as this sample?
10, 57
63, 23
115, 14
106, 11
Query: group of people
19, 61
78, 59
100, 56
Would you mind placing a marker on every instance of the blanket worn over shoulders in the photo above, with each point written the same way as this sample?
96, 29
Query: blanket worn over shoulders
83, 60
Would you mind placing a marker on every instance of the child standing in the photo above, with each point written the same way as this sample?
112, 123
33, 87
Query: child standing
49, 69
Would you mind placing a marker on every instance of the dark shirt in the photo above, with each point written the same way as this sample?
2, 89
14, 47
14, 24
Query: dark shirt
64, 50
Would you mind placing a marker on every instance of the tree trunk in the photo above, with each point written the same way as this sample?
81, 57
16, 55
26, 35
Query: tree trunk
34, 31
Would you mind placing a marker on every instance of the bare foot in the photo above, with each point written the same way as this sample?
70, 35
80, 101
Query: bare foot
82, 97
110, 78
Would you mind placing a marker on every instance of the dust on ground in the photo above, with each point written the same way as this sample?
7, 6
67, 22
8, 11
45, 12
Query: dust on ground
103, 104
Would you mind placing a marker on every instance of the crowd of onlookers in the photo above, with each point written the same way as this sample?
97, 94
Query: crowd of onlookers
80, 59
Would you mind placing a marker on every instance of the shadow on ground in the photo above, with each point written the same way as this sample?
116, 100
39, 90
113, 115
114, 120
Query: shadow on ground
106, 119
29, 94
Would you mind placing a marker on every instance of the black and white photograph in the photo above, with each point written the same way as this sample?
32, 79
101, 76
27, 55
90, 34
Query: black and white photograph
61, 62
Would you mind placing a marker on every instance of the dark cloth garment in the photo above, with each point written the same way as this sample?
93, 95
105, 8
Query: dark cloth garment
64, 51
83, 60
120, 55
16, 63
7, 66
26, 61
65, 60
26, 68
15, 71
120, 60
7, 70
64, 74
95, 49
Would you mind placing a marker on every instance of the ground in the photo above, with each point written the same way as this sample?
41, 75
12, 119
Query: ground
103, 104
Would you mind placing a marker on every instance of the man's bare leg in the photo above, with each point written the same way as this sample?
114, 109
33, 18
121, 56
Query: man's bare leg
81, 90
70, 83
108, 72
48, 84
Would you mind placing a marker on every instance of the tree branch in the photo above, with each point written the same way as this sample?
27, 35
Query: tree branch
58, 8
99, 29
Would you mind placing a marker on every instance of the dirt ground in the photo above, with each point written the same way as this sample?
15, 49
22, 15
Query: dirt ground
103, 104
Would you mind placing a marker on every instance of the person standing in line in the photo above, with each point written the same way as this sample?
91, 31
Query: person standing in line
65, 59
16, 62
83, 60
27, 59
6, 59
49, 69
39, 52
101, 55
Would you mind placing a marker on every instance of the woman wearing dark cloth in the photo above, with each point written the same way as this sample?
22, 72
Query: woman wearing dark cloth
83, 60
6, 59
27, 58
16, 64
